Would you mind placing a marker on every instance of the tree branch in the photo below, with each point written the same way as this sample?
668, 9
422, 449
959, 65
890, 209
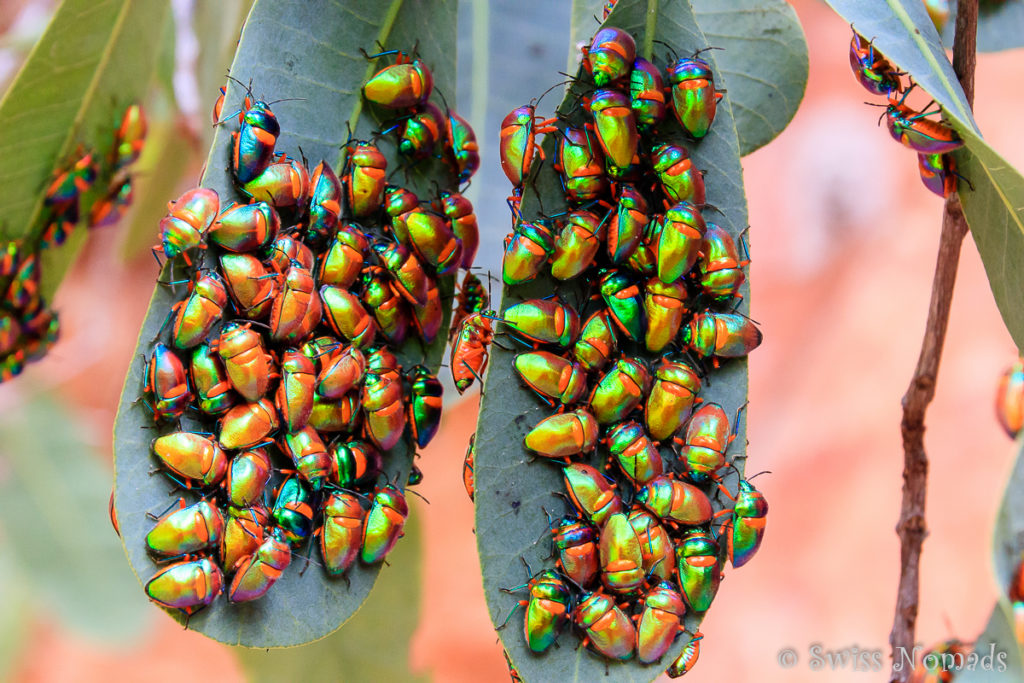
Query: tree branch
911, 528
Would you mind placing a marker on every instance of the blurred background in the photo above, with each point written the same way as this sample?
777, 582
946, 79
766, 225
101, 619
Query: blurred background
843, 241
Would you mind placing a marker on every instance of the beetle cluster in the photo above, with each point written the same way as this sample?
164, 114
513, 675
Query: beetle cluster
639, 548
28, 327
283, 351
932, 140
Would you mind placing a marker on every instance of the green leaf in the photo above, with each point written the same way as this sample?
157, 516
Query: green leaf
95, 58
308, 51
763, 63
1008, 535
999, 25
53, 507
993, 197
16, 612
511, 486
997, 652
354, 653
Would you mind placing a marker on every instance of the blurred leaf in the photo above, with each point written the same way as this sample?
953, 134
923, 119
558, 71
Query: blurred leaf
165, 63
53, 508
322, 69
999, 24
997, 650
95, 58
510, 489
994, 208
763, 63
372, 646
16, 615
1008, 536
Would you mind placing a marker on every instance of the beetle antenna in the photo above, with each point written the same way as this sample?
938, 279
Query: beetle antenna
417, 494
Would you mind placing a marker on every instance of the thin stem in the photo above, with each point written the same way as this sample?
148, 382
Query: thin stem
912, 528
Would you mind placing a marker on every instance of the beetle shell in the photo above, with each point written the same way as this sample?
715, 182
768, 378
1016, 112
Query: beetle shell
621, 560
707, 437
576, 544
724, 335
468, 480
625, 304
254, 142
527, 249
470, 350
364, 179
610, 55
546, 321
293, 511
636, 455
400, 86
257, 573
203, 309
922, 135
244, 529
292, 302
938, 173
592, 494
721, 270
425, 404
429, 317
188, 219
609, 630
563, 435
464, 147
432, 239
675, 501
1010, 399
282, 184
670, 402
358, 462
310, 456
597, 343
191, 456
341, 373
252, 287
341, 536
342, 415
294, 397
620, 390
687, 659
409, 278
552, 377
659, 622
581, 163
347, 317
247, 477
344, 259
384, 523
246, 227
647, 94
248, 424
665, 306
518, 144
680, 241
167, 380
246, 361
422, 132
680, 180
287, 250
324, 203
615, 125
577, 245
188, 585
873, 70
547, 610
748, 522
627, 224
464, 224
700, 572
694, 99
384, 410
656, 547
186, 530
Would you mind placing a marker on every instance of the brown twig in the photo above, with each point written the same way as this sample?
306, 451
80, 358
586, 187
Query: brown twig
911, 528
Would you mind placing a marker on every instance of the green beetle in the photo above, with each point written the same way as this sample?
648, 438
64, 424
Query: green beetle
187, 530
564, 435
634, 452
680, 240
660, 622
671, 400
675, 501
700, 570
188, 586
608, 629
384, 523
544, 321
620, 390
665, 306
592, 494
554, 378
341, 535
622, 563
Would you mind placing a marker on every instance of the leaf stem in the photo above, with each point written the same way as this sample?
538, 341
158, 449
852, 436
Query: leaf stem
912, 528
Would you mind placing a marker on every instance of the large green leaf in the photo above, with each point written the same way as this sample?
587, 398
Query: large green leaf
512, 487
999, 23
993, 201
308, 51
997, 656
763, 63
53, 518
16, 612
95, 58
353, 653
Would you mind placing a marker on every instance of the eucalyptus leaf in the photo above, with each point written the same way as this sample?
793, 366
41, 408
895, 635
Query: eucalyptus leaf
763, 63
16, 614
999, 24
513, 488
95, 58
53, 512
997, 655
356, 652
993, 193
307, 53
